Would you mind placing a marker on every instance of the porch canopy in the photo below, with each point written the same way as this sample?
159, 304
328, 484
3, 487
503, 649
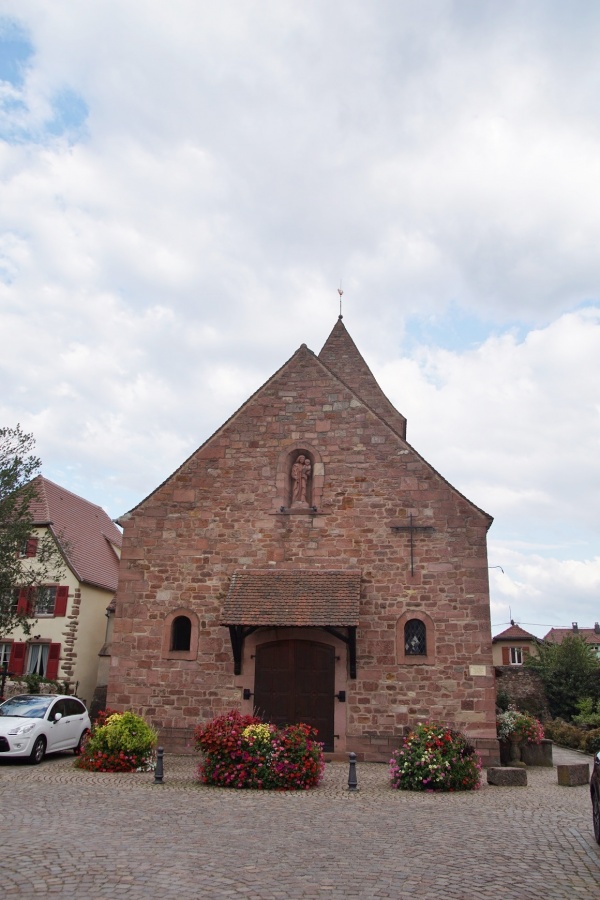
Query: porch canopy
297, 598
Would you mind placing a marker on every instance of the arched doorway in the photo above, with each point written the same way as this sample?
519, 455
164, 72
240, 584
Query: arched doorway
295, 682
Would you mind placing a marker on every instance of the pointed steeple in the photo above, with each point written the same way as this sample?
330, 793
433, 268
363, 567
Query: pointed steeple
341, 355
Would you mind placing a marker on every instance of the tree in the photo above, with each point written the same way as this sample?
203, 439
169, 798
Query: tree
18, 494
570, 671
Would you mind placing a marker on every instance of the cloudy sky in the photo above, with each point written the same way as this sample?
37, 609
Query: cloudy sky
184, 186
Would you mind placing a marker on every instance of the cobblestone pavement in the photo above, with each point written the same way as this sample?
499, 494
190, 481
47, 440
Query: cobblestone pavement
78, 834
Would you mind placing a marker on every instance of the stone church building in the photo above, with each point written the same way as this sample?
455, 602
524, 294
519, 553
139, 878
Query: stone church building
307, 563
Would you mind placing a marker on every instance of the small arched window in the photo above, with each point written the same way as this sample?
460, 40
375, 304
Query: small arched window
181, 633
415, 638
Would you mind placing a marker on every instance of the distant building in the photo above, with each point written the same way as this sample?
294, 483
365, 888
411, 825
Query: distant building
513, 645
590, 635
70, 624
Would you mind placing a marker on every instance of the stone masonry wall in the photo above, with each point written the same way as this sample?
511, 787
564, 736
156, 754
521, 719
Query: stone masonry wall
220, 512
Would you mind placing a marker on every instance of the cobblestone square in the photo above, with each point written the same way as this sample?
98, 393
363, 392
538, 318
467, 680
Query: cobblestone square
69, 833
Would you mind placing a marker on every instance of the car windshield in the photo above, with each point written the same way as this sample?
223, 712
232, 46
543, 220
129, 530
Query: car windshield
26, 707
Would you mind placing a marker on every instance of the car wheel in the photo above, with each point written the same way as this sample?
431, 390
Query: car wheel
596, 815
38, 752
82, 742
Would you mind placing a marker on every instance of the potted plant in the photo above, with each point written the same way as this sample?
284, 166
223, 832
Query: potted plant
515, 728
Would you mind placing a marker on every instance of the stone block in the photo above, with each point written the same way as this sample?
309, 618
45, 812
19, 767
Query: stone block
506, 776
573, 774
537, 754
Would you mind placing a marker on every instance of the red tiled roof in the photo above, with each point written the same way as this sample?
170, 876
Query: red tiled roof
286, 597
85, 532
557, 635
514, 633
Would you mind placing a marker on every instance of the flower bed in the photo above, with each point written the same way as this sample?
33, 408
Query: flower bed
243, 752
119, 742
435, 758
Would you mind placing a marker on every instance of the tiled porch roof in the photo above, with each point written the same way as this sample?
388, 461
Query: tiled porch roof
298, 597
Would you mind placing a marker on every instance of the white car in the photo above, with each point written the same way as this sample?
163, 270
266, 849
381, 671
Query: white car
32, 725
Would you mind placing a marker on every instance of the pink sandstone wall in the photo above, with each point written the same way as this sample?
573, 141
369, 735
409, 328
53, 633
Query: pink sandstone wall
219, 513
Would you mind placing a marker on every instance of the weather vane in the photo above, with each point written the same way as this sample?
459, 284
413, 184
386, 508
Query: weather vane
340, 292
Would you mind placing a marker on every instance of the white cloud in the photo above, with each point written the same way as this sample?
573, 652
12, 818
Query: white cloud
541, 592
159, 260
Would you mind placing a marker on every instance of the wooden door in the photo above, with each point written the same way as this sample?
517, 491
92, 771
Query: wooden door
295, 682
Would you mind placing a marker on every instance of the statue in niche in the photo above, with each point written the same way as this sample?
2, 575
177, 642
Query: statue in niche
301, 471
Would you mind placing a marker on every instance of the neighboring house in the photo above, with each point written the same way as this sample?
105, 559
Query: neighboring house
590, 635
70, 625
512, 646
308, 563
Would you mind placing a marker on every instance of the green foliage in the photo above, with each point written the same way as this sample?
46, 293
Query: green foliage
589, 712
435, 758
573, 736
32, 683
592, 741
570, 671
18, 490
243, 752
563, 733
123, 742
502, 700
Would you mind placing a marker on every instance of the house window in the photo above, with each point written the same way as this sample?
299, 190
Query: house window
181, 633
28, 548
37, 659
4, 653
415, 638
516, 656
45, 601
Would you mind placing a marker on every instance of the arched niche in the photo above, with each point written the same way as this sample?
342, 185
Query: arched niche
290, 457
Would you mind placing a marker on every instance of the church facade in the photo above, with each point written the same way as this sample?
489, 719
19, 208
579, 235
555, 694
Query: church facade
307, 563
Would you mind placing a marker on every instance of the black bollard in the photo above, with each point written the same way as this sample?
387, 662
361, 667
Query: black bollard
158, 772
352, 779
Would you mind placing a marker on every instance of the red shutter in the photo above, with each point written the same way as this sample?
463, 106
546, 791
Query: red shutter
505, 656
525, 652
31, 549
25, 603
16, 663
53, 660
60, 605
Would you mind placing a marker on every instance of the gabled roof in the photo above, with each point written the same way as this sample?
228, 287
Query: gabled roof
351, 373
86, 534
514, 633
299, 597
341, 355
590, 635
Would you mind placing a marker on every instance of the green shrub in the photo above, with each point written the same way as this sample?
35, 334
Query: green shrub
502, 700
123, 742
589, 712
591, 741
566, 735
435, 758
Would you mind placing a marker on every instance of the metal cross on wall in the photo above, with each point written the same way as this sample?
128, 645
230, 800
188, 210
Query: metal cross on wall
411, 528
